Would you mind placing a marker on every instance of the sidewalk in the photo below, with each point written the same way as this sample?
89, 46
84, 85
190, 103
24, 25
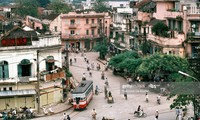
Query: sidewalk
56, 108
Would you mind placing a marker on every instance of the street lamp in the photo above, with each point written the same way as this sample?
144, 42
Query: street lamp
185, 74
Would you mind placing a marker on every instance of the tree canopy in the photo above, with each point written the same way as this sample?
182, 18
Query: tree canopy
59, 7
43, 3
25, 8
102, 48
160, 29
162, 65
100, 6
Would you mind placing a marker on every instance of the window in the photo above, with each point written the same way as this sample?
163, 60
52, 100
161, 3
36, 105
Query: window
50, 63
87, 21
72, 32
72, 22
10, 88
92, 31
4, 89
87, 32
4, 73
24, 68
55, 28
121, 5
92, 21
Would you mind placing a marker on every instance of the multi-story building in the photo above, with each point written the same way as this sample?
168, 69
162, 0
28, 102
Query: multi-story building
24, 55
121, 27
83, 30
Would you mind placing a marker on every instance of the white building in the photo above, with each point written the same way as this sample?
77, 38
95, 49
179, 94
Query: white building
18, 68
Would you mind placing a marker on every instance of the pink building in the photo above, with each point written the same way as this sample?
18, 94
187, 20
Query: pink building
84, 30
34, 23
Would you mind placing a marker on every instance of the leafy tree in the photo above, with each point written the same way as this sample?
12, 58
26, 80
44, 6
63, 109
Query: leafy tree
162, 65
102, 48
59, 7
25, 8
160, 29
43, 3
100, 6
117, 61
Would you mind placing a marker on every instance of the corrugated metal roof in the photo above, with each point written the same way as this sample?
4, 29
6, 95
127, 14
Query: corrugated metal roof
17, 93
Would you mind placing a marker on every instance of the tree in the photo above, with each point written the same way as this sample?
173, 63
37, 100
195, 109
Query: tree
160, 29
59, 7
102, 48
100, 6
43, 3
25, 8
162, 65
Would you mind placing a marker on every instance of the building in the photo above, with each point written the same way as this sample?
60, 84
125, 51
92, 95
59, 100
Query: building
121, 29
22, 53
83, 30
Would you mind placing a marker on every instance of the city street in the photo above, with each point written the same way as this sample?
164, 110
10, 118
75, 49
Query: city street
121, 109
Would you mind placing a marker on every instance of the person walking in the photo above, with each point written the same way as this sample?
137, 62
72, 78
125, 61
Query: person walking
94, 113
147, 97
68, 118
125, 94
156, 115
64, 116
75, 59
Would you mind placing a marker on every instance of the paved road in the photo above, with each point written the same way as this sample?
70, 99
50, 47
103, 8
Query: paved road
121, 109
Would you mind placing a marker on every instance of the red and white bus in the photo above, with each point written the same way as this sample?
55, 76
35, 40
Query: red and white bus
82, 95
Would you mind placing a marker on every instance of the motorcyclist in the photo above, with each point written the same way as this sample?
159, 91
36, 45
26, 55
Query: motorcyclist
83, 77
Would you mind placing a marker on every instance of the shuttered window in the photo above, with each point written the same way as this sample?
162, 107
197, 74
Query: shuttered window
4, 72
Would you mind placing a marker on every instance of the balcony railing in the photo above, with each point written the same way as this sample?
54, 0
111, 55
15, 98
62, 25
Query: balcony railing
166, 41
72, 26
79, 36
173, 14
54, 76
94, 25
193, 10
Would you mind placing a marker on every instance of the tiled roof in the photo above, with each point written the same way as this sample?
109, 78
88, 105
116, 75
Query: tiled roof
51, 16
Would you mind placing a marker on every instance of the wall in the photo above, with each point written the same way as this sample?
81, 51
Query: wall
161, 8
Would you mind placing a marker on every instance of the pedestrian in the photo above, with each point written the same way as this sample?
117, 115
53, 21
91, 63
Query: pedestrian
83, 77
103, 118
147, 97
177, 112
106, 83
68, 118
105, 91
125, 94
156, 115
64, 116
94, 113
85, 58
75, 59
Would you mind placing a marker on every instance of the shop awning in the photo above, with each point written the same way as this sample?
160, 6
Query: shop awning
17, 93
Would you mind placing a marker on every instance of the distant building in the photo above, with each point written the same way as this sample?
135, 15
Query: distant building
83, 30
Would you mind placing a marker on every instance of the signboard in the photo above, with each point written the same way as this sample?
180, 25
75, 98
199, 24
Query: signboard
14, 42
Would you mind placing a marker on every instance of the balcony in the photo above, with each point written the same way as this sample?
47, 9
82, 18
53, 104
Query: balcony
173, 14
167, 41
94, 25
72, 26
54, 76
193, 10
79, 36
193, 37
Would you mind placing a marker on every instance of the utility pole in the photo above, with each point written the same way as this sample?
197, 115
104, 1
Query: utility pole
38, 84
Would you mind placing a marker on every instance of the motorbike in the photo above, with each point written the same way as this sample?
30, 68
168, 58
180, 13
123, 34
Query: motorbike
138, 114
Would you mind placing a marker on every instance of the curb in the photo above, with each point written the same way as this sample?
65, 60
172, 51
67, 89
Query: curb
54, 113
101, 61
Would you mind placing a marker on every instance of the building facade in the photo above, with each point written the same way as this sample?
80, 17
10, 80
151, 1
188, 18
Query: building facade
20, 51
83, 30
